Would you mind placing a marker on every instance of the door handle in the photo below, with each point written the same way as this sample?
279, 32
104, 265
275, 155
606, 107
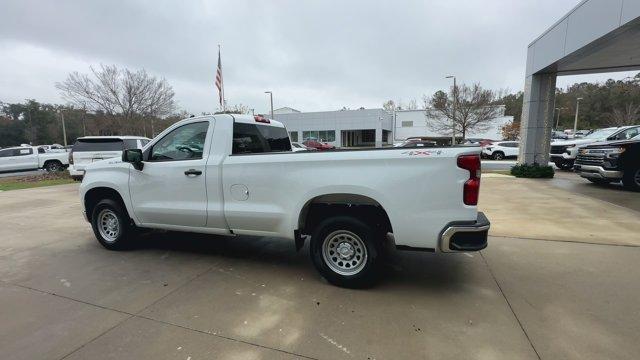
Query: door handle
193, 172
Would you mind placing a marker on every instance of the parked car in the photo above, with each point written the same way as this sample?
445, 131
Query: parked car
559, 135
246, 181
563, 153
502, 150
296, 146
610, 161
318, 145
29, 158
95, 148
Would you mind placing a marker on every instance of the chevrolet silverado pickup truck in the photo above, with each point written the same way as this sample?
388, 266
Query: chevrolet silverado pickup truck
30, 158
237, 175
611, 161
564, 153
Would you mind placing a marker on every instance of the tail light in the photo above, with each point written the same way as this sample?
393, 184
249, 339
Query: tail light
471, 186
71, 157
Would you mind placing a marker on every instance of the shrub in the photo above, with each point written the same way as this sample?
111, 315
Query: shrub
532, 171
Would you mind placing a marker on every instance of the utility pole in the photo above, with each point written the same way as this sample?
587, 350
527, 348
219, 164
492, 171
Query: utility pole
271, 98
558, 117
455, 100
64, 129
575, 122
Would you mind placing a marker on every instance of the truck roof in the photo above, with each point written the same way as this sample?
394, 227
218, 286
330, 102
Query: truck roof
242, 118
123, 137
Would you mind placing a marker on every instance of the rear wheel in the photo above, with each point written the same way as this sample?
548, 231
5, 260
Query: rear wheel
346, 251
498, 155
631, 178
53, 166
111, 225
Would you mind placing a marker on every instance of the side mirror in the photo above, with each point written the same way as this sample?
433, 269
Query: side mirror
134, 157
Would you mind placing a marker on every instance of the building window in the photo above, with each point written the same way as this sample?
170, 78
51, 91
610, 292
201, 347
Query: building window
407, 124
294, 136
324, 135
368, 136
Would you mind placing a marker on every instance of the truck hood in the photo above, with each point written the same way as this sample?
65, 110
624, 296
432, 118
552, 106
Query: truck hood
602, 144
573, 142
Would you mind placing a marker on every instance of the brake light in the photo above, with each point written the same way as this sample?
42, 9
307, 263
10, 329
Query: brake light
261, 119
471, 188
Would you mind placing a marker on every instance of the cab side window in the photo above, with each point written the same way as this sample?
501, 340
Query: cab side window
183, 143
626, 134
22, 152
6, 153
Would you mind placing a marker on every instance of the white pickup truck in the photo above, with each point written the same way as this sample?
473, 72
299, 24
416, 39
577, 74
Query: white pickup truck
30, 158
236, 175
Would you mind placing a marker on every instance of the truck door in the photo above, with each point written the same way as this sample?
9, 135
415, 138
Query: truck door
171, 187
23, 159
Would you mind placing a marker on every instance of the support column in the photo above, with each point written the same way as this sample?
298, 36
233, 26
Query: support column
537, 118
379, 134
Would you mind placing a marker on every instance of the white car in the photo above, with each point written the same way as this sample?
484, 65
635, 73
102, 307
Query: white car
502, 150
95, 148
564, 153
236, 175
30, 158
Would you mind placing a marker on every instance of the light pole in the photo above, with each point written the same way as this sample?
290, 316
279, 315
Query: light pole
558, 117
575, 122
271, 98
455, 100
64, 130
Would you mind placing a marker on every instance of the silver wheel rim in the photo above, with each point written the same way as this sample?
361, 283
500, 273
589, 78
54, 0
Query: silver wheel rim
636, 177
498, 156
53, 167
108, 225
344, 252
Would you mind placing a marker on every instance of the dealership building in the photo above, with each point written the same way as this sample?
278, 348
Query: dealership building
372, 127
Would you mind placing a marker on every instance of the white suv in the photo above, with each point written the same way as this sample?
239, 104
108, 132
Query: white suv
501, 150
94, 148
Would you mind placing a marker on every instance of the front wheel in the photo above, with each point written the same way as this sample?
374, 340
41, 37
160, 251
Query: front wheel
111, 225
498, 155
346, 252
631, 178
564, 164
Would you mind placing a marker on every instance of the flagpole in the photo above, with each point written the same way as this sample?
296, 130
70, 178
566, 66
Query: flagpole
224, 101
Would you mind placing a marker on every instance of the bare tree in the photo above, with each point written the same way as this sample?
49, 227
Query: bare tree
119, 92
413, 105
627, 116
475, 109
389, 105
235, 109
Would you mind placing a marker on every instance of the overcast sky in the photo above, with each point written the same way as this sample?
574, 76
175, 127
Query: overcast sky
314, 55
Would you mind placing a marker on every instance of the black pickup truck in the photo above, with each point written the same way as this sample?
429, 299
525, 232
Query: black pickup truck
611, 161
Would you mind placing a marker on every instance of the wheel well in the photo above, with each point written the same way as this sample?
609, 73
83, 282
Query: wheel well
358, 206
52, 160
95, 195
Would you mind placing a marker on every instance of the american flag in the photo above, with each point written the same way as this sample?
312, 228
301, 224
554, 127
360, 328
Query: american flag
219, 82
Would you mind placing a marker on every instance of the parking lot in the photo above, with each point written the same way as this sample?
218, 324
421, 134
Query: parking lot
558, 280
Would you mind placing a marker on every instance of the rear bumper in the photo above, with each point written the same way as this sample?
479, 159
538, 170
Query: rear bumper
465, 236
75, 171
597, 172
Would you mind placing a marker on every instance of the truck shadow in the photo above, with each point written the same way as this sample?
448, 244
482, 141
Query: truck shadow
401, 269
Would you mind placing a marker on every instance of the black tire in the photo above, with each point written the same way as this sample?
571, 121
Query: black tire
498, 155
121, 237
53, 166
358, 240
564, 164
599, 181
631, 178
77, 178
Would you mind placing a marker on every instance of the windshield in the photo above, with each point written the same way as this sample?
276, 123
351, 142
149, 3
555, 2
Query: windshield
600, 134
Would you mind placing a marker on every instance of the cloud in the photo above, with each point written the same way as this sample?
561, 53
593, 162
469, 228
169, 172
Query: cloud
314, 55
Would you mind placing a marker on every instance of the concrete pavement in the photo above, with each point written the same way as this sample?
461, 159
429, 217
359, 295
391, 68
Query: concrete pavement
187, 296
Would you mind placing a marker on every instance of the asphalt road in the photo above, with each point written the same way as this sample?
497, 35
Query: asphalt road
540, 290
